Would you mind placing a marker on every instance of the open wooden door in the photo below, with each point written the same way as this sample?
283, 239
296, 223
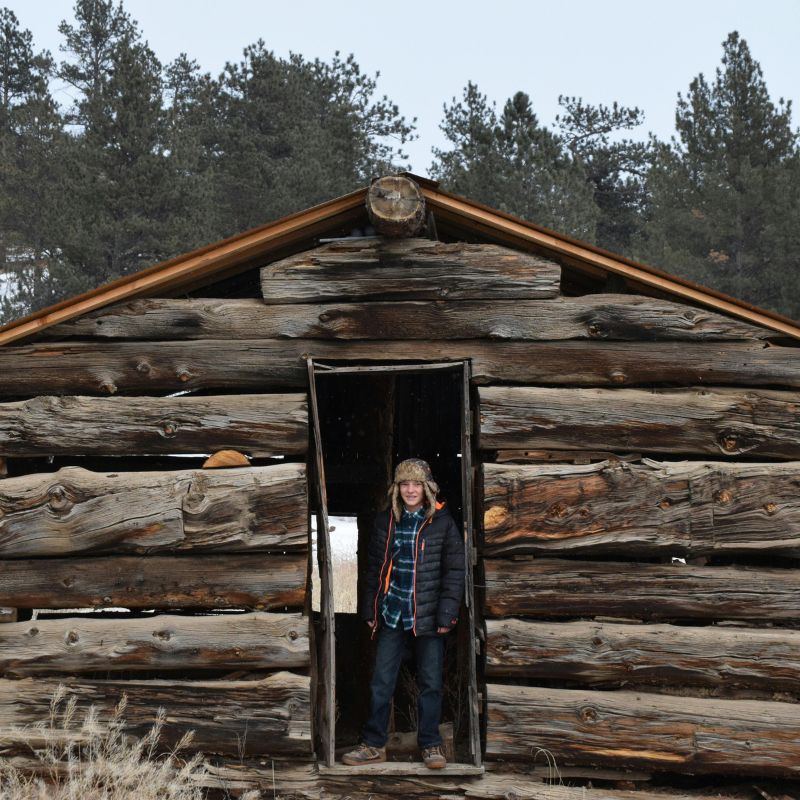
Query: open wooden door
467, 484
325, 716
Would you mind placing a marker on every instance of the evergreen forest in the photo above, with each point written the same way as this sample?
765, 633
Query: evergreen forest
149, 160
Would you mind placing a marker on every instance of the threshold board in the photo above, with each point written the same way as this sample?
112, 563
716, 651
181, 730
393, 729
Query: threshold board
400, 768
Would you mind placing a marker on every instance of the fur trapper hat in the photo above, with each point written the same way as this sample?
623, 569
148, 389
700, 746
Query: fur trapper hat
413, 469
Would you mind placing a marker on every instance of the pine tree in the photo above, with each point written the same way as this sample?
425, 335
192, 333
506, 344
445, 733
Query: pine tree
31, 143
513, 163
616, 168
119, 171
725, 195
291, 133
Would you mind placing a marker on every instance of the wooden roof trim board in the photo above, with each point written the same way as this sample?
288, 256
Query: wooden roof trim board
206, 260
223, 257
515, 230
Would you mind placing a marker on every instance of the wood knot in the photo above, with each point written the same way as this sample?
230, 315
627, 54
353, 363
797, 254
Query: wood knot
723, 496
143, 368
58, 499
109, 387
588, 714
183, 374
33, 632
618, 376
558, 509
771, 508
72, 637
728, 442
596, 641
596, 331
494, 517
665, 504
165, 636
169, 429
293, 635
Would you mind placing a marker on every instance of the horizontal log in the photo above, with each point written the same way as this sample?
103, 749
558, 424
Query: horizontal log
77, 511
633, 729
408, 269
306, 781
163, 367
165, 642
655, 508
606, 654
260, 425
607, 317
251, 580
246, 718
303, 781
553, 588
728, 422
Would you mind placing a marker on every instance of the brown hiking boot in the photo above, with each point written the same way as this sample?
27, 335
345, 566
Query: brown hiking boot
364, 754
434, 757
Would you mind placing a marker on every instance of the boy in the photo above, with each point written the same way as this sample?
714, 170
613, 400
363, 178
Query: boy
412, 593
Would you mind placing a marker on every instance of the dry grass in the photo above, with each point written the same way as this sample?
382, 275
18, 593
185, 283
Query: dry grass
93, 759
345, 580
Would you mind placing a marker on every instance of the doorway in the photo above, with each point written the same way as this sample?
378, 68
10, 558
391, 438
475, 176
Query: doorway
368, 418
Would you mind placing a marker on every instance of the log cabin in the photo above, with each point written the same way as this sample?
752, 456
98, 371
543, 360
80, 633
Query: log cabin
620, 446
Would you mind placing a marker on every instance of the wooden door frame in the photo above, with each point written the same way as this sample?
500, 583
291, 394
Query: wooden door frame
317, 369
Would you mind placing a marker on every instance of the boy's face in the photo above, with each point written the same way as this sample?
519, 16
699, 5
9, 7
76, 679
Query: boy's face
412, 493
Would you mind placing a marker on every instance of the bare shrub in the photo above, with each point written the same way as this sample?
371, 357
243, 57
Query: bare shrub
94, 759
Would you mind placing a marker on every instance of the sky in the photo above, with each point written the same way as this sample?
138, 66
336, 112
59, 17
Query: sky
638, 53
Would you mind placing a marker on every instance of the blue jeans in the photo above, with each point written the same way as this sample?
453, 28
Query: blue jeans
429, 651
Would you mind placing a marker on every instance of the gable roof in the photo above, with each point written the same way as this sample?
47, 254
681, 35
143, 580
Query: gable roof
455, 215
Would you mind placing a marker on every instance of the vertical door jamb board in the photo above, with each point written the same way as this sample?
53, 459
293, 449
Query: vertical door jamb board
327, 649
467, 491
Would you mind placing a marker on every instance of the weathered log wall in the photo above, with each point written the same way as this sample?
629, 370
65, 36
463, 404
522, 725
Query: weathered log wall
77, 511
558, 375
691, 508
256, 717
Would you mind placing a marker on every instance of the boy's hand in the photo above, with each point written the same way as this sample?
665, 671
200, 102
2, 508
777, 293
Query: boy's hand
443, 630
372, 624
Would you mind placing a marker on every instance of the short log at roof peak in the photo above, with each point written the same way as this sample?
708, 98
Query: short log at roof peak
395, 206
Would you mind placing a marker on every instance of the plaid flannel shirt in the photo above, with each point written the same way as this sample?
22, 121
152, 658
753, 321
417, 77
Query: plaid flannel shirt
397, 608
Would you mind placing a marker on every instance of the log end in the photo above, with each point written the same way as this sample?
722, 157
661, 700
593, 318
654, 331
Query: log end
226, 458
395, 206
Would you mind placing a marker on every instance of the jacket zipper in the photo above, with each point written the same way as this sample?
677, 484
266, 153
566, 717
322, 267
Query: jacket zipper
414, 590
380, 575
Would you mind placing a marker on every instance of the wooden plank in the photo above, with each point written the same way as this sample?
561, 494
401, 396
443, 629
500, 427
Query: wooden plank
743, 737
252, 580
655, 508
103, 368
408, 269
608, 654
468, 495
165, 642
326, 659
8, 614
595, 316
552, 588
225, 510
260, 425
246, 718
727, 422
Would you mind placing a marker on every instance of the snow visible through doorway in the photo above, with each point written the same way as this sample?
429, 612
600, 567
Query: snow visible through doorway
344, 558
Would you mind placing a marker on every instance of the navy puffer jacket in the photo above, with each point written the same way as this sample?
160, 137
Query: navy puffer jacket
438, 577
